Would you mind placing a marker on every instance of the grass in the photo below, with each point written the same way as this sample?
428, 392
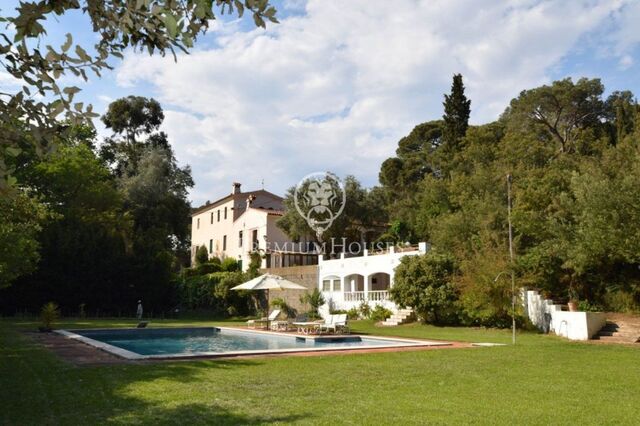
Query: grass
541, 380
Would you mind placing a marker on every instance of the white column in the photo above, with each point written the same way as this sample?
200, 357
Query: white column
366, 287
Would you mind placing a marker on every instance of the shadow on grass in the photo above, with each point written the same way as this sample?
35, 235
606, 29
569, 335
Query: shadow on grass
38, 388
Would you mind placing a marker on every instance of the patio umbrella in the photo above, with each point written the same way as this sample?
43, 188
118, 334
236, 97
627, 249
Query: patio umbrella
269, 282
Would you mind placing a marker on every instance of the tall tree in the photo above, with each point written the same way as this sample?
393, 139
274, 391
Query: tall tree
457, 109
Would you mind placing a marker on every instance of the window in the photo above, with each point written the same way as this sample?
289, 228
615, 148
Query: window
336, 285
326, 285
224, 242
218, 215
210, 246
240, 239
225, 213
254, 240
198, 223
211, 217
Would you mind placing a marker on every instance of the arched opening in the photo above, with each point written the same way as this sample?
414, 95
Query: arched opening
379, 284
379, 281
354, 282
354, 288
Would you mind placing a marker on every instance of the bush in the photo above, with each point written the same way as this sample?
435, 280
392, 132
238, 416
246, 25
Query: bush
353, 314
425, 283
208, 268
380, 313
202, 255
284, 307
229, 264
364, 310
213, 292
49, 315
315, 299
485, 301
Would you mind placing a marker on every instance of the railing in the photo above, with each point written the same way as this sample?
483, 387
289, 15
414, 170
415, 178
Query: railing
354, 296
359, 296
378, 295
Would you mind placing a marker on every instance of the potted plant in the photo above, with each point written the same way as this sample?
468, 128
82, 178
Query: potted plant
573, 299
48, 315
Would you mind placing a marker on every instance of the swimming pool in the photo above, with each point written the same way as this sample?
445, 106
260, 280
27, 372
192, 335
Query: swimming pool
149, 343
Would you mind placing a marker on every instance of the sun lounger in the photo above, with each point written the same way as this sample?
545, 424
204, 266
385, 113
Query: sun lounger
265, 320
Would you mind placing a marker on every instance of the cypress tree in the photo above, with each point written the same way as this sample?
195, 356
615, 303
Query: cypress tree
456, 114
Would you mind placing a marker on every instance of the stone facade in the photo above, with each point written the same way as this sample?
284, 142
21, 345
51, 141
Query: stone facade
306, 276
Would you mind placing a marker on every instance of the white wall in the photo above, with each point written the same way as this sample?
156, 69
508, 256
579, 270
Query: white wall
366, 266
550, 317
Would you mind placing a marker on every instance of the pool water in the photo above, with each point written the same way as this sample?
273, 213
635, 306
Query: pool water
212, 340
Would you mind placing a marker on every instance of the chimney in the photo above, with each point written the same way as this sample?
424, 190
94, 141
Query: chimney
250, 199
235, 188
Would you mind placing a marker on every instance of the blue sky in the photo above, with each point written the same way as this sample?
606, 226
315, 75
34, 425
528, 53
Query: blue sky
336, 84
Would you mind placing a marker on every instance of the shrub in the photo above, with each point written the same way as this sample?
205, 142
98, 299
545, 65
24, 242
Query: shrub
353, 314
213, 292
208, 268
284, 307
229, 264
483, 300
48, 315
380, 313
202, 255
315, 299
425, 283
365, 310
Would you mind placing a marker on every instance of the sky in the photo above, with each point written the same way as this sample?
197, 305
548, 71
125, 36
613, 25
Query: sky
336, 84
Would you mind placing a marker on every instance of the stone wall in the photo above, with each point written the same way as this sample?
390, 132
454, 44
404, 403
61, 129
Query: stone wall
306, 276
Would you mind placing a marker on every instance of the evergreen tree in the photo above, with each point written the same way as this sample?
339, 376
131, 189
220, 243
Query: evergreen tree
456, 114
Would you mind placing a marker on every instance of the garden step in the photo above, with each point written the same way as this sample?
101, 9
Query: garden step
400, 317
620, 328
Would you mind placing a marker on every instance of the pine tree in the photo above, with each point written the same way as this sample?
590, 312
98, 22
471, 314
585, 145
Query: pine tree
456, 114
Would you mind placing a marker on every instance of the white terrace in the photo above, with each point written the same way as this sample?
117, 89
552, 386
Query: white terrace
348, 281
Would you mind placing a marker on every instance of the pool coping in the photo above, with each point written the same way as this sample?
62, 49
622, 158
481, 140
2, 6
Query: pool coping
129, 355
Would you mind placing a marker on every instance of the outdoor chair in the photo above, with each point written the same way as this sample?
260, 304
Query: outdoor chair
264, 320
335, 323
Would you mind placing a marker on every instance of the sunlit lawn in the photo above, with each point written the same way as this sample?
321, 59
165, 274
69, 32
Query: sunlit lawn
541, 380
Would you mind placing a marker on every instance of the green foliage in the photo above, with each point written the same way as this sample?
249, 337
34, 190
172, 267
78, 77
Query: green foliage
229, 264
112, 238
213, 292
457, 109
425, 283
142, 25
284, 307
574, 158
362, 211
202, 255
49, 314
379, 313
21, 219
353, 313
254, 264
364, 310
315, 299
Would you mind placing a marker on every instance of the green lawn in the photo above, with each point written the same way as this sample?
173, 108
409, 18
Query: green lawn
542, 380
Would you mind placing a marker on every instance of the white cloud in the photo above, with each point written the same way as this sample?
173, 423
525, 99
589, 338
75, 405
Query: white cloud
335, 88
